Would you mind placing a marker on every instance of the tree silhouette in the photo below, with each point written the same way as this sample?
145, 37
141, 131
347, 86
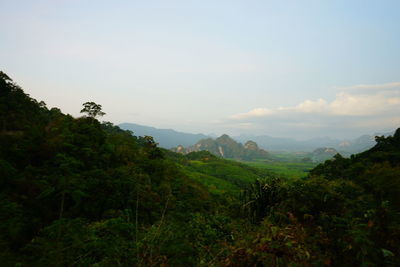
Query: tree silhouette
92, 110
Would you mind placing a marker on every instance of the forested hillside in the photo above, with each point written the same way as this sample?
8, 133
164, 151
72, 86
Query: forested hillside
77, 192
224, 146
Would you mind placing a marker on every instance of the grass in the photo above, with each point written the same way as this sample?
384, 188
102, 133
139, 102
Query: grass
289, 156
221, 176
214, 185
283, 168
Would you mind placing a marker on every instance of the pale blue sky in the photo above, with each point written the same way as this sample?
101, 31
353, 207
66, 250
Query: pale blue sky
288, 68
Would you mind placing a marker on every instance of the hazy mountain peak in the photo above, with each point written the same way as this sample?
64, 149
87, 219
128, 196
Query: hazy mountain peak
226, 139
166, 138
251, 145
226, 147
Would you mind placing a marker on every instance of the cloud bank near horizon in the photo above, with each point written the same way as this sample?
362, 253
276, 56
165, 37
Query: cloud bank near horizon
366, 107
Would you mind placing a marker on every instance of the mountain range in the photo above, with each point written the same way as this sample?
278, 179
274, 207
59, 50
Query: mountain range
169, 138
288, 144
166, 138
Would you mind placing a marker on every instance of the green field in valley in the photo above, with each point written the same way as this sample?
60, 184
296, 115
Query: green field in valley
287, 169
287, 164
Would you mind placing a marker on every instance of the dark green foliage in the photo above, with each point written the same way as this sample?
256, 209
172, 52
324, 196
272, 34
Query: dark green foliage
92, 109
288, 169
77, 192
346, 213
262, 197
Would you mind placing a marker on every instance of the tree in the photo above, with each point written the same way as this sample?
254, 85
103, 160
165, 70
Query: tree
92, 110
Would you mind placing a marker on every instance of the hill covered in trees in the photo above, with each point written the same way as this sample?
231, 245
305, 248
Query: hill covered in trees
323, 153
224, 146
77, 192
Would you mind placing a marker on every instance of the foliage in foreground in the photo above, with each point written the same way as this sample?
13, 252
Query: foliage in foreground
346, 213
75, 192
78, 192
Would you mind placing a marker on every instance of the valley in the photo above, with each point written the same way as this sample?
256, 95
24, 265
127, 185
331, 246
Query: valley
200, 133
285, 169
77, 191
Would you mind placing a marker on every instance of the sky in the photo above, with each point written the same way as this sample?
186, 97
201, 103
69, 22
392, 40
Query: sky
298, 69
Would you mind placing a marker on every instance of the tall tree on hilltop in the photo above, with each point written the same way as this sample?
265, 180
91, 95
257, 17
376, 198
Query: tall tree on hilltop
92, 110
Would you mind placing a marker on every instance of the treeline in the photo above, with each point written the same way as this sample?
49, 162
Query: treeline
77, 192
345, 213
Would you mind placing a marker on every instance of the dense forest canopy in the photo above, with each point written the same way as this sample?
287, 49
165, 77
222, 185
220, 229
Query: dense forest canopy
77, 192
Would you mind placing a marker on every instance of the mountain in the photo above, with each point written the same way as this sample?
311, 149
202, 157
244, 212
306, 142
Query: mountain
226, 147
287, 144
166, 138
75, 191
344, 146
169, 138
359, 144
323, 153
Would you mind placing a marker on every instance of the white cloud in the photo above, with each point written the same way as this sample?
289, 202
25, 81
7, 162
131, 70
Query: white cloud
364, 105
345, 103
363, 111
310, 106
257, 112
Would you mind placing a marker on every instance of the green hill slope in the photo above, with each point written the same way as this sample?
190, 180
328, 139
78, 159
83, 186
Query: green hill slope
345, 213
77, 192
217, 174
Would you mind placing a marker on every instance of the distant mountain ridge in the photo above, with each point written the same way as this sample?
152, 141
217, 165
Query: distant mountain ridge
323, 153
166, 138
226, 147
348, 146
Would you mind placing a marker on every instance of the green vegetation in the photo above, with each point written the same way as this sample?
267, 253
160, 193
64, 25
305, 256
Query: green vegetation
230, 176
285, 169
77, 192
289, 156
